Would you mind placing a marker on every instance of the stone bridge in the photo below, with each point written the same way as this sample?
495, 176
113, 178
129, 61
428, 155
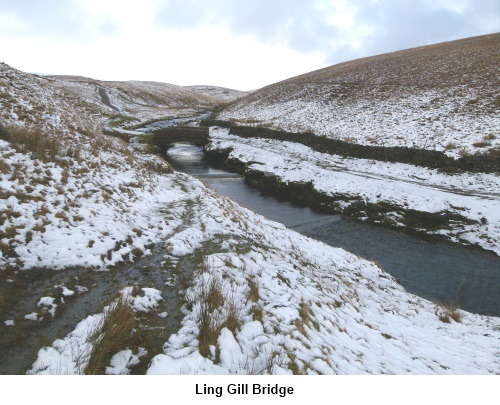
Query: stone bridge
166, 136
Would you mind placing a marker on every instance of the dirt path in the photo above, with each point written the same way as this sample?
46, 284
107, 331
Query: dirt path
22, 291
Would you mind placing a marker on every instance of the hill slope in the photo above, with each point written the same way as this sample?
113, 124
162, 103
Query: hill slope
442, 97
132, 102
221, 94
69, 194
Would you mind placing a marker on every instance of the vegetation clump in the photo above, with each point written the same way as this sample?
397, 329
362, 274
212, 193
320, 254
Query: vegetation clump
113, 333
448, 312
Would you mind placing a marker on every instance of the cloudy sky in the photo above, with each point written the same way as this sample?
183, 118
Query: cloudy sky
242, 44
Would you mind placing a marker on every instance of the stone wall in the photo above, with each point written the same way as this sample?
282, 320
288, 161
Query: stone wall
419, 157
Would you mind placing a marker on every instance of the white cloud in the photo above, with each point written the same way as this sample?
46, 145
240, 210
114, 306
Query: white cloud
151, 53
235, 43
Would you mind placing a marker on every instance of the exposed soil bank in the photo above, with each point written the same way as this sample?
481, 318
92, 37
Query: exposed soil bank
416, 223
419, 157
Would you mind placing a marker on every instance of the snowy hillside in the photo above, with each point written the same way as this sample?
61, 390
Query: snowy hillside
130, 103
206, 286
69, 195
220, 94
442, 97
266, 300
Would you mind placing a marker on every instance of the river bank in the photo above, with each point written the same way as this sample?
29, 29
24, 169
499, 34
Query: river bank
441, 272
486, 163
422, 202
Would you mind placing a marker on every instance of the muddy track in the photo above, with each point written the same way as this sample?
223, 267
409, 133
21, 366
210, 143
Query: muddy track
19, 344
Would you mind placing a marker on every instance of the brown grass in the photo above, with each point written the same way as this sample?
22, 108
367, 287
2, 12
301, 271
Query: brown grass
214, 297
35, 140
292, 365
100, 144
210, 326
233, 321
304, 312
49, 146
160, 167
482, 144
114, 333
253, 294
209, 330
258, 312
10, 232
211, 299
448, 312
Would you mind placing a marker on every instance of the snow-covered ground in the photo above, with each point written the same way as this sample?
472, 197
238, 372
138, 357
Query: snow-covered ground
395, 122
277, 302
221, 94
70, 355
88, 214
474, 196
93, 202
128, 104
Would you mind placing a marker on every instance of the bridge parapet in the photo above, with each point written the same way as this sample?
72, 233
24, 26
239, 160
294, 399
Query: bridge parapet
195, 135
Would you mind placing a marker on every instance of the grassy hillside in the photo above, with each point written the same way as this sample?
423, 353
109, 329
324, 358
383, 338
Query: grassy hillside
441, 97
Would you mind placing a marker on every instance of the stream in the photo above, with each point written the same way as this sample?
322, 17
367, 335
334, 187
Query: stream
466, 277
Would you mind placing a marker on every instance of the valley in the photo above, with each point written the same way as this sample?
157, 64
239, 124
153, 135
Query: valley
124, 252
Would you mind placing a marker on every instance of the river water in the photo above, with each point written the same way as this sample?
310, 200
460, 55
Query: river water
437, 271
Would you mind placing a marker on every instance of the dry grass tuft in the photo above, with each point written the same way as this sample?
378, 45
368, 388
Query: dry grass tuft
253, 294
210, 327
215, 313
35, 140
292, 365
213, 297
233, 322
113, 334
158, 166
258, 312
448, 312
304, 312
209, 330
